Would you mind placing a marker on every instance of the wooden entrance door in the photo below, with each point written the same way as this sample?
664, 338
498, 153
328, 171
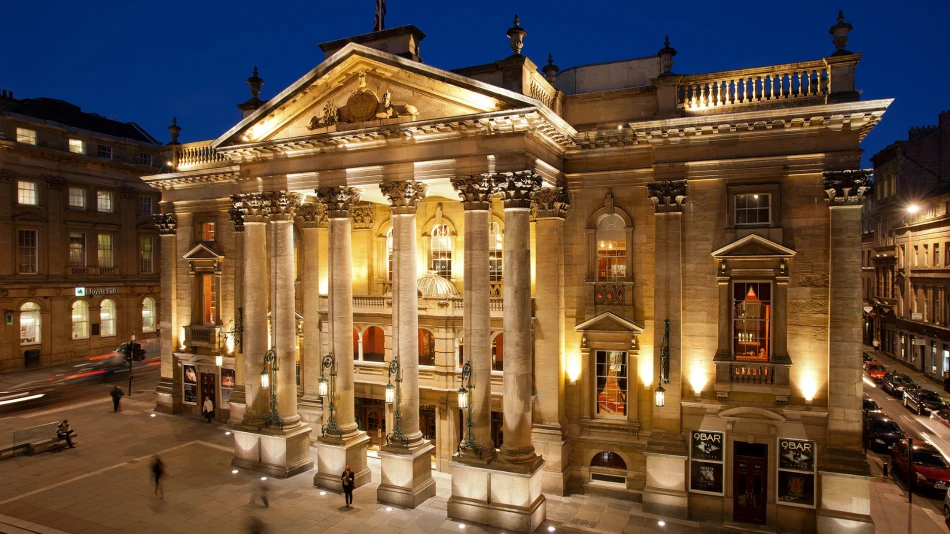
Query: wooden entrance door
750, 483
207, 390
427, 423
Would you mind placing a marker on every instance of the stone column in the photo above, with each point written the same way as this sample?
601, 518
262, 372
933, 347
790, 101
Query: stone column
843, 466
548, 432
406, 469
345, 444
283, 311
666, 452
168, 393
255, 306
310, 408
238, 399
476, 311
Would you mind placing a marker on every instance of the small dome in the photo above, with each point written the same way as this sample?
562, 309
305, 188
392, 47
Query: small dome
433, 285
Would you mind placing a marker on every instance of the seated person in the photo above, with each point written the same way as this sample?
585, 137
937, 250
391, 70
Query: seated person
64, 432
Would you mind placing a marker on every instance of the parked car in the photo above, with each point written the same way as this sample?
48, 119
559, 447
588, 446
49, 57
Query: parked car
923, 400
870, 406
875, 371
930, 469
881, 432
941, 415
867, 357
895, 383
946, 507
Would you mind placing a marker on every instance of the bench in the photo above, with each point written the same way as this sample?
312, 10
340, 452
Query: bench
54, 443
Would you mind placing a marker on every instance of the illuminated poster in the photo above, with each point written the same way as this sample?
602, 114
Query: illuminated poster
190, 382
706, 452
796, 472
227, 386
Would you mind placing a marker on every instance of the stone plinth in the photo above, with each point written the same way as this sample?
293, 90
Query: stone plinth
167, 396
406, 475
665, 491
278, 453
333, 455
551, 445
494, 496
845, 505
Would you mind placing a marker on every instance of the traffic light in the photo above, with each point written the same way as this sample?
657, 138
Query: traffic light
124, 351
138, 353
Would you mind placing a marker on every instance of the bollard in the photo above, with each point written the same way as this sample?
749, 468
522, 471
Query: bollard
885, 468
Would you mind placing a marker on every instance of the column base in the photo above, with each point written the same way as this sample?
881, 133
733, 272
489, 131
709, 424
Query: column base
333, 455
237, 406
665, 491
311, 413
280, 454
550, 444
406, 475
167, 396
845, 492
496, 497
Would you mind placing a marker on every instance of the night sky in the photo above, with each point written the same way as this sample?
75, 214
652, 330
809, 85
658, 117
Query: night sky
148, 61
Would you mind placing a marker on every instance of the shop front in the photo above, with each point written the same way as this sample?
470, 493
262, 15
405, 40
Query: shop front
201, 379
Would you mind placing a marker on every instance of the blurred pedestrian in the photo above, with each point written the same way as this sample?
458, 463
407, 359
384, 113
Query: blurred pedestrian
158, 471
116, 397
63, 431
262, 492
255, 526
348, 479
207, 409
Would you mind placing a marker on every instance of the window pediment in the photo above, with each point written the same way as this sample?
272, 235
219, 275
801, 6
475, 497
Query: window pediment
753, 246
609, 322
203, 252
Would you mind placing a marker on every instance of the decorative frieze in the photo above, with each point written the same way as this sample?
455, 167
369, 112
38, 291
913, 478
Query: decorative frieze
517, 188
551, 203
165, 223
405, 195
339, 200
847, 187
667, 196
475, 191
54, 182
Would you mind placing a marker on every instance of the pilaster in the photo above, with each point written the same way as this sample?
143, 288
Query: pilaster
310, 407
168, 394
238, 400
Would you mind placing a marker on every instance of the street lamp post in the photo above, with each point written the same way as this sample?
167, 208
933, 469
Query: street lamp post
130, 354
392, 397
269, 380
465, 403
325, 388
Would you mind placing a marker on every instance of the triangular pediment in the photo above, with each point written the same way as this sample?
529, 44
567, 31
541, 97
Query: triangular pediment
609, 322
360, 87
203, 252
753, 246
29, 217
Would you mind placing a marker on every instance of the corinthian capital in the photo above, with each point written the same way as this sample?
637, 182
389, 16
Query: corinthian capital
847, 187
254, 207
311, 214
404, 196
551, 203
475, 191
667, 196
281, 204
165, 223
339, 200
517, 188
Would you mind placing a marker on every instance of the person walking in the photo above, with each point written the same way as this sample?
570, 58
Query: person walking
63, 431
262, 493
116, 397
348, 479
158, 471
208, 409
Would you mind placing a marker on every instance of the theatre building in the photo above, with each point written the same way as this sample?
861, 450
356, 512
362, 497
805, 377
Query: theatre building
610, 279
79, 268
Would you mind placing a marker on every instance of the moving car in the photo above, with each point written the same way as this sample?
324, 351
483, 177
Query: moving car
930, 469
875, 371
867, 357
941, 415
895, 383
881, 432
870, 406
923, 400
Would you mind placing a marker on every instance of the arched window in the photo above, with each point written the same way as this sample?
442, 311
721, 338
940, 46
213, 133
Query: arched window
605, 469
107, 318
148, 315
611, 248
608, 460
495, 252
498, 353
80, 320
461, 350
426, 347
440, 251
374, 344
30, 323
389, 254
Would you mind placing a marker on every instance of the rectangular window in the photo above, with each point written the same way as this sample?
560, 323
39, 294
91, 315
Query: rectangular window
901, 253
145, 159
77, 249
24, 135
916, 255
611, 375
208, 299
207, 231
27, 251
77, 198
77, 146
752, 314
753, 209
145, 255
946, 254
104, 201
105, 151
926, 255
936, 254
145, 206
105, 251
26, 193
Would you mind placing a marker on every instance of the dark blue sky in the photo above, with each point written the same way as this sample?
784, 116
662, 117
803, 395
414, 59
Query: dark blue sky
149, 61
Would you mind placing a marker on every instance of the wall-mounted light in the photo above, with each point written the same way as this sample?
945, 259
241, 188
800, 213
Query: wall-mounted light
913, 208
219, 360
660, 396
573, 368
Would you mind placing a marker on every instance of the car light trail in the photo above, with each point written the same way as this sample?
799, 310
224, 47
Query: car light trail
84, 375
105, 356
868, 382
21, 399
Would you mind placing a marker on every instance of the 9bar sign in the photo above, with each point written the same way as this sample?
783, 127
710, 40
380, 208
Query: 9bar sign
706, 454
796, 454
796, 472
706, 445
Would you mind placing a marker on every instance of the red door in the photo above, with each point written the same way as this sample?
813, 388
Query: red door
749, 488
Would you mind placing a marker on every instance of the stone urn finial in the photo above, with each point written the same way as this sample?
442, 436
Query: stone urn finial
840, 33
666, 58
255, 82
516, 33
174, 130
550, 70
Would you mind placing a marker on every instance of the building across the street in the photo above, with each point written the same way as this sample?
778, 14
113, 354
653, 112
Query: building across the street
611, 279
79, 272
906, 250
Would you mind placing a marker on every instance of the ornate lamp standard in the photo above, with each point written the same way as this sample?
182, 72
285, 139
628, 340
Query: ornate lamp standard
465, 403
269, 380
325, 389
392, 398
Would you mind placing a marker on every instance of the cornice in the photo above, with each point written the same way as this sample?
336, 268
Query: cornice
75, 160
164, 182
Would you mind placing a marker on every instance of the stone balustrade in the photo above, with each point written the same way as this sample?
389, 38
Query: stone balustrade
198, 155
793, 81
764, 377
202, 336
611, 293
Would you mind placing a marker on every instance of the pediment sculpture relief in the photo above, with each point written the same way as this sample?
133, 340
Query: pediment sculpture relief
361, 106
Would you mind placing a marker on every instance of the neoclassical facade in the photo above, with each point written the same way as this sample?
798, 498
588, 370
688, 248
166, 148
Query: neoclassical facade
611, 279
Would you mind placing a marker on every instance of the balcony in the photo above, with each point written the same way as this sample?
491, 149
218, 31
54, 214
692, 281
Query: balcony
92, 271
202, 336
801, 83
763, 378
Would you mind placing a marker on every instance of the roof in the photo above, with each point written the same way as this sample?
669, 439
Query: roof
66, 114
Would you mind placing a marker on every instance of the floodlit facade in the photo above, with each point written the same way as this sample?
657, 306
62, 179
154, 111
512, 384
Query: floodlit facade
610, 279
79, 271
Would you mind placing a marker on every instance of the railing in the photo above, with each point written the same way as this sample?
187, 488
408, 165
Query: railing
615, 293
541, 90
197, 155
372, 302
201, 336
751, 86
496, 304
108, 270
752, 373
496, 289
78, 270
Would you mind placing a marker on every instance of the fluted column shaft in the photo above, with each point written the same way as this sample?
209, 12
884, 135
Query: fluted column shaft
283, 315
167, 316
255, 319
311, 358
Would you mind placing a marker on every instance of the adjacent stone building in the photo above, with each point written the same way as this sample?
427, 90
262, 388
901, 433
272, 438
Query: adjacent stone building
80, 270
906, 259
612, 279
